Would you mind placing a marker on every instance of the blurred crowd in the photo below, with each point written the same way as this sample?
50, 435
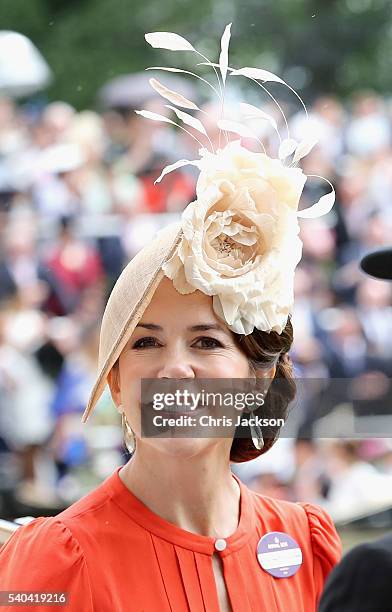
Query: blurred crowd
78, 200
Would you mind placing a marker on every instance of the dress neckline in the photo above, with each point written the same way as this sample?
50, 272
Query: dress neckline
155, 524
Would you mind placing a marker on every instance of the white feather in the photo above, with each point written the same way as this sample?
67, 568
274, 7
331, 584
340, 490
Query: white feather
168, 40
157, 117
213, 65
171, 95
304, 147
224, 54
287, 147
258, 74
320, 208
154, 116
237, 128
179, 164
189, 120
168, 69
252, 111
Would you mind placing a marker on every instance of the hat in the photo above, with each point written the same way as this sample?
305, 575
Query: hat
361, 582
237, 242
128, 300
378, 263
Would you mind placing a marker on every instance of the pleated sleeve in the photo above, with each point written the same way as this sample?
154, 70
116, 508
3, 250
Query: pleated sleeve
44, 556
326, 544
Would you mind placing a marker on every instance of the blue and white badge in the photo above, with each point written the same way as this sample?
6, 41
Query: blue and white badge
279, 554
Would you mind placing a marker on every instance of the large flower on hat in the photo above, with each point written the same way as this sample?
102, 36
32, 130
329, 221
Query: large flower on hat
240, 237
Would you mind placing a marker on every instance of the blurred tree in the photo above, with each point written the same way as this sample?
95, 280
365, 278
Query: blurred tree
329, 45
340, 43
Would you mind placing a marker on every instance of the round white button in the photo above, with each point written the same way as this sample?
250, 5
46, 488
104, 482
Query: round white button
220, 544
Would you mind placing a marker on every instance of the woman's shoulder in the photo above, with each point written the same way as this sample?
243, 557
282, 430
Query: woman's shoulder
310, 526
276, 510
300, 518
58, 553
57, 545
44, 555
43, 535
285, 509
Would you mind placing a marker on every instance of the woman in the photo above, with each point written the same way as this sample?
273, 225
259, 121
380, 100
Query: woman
174, 529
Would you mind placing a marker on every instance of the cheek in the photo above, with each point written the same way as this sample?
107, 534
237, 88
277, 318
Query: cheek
136, 365
130, 394
229, 365
130, 383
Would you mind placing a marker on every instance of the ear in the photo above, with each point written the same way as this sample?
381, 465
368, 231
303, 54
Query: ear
113, 380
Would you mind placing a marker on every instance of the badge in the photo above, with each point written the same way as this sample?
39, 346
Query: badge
279, 554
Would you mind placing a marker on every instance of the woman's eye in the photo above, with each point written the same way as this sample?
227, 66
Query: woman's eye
149, 341
211, 342
140, 343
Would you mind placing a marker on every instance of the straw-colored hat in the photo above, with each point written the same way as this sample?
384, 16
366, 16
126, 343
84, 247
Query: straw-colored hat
127, 302
237, 242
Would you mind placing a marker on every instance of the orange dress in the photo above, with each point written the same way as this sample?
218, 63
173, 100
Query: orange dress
110, 553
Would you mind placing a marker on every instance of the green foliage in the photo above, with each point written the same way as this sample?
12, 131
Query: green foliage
343, 45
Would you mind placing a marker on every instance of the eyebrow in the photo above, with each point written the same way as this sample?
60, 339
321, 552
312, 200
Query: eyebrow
200, 327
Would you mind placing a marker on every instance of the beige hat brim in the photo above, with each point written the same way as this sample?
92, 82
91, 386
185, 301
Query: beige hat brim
127, 302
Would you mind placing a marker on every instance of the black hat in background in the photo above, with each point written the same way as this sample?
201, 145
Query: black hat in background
378, 263
361, 582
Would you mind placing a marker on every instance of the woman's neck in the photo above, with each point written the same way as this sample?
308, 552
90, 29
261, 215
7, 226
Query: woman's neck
197, 494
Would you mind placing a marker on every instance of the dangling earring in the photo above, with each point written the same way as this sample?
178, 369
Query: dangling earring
129, 436
255, 432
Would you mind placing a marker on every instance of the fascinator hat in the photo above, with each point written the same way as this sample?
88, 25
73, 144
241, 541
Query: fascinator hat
238, 240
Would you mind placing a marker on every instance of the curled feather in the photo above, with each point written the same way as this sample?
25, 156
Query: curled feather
322, 206
304, 147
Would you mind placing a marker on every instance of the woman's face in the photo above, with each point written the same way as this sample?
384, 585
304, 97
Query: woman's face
166, 344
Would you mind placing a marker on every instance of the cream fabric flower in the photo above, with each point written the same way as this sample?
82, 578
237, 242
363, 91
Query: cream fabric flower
240, 240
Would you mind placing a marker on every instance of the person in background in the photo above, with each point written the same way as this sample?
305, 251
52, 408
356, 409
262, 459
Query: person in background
361, 582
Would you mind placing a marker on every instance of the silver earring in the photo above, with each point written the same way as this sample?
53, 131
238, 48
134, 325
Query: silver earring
129, 436
255, 432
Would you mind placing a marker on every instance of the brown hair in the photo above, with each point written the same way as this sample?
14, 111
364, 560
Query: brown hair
264, 350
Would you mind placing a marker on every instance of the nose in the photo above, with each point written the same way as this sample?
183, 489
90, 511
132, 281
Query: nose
176, 365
